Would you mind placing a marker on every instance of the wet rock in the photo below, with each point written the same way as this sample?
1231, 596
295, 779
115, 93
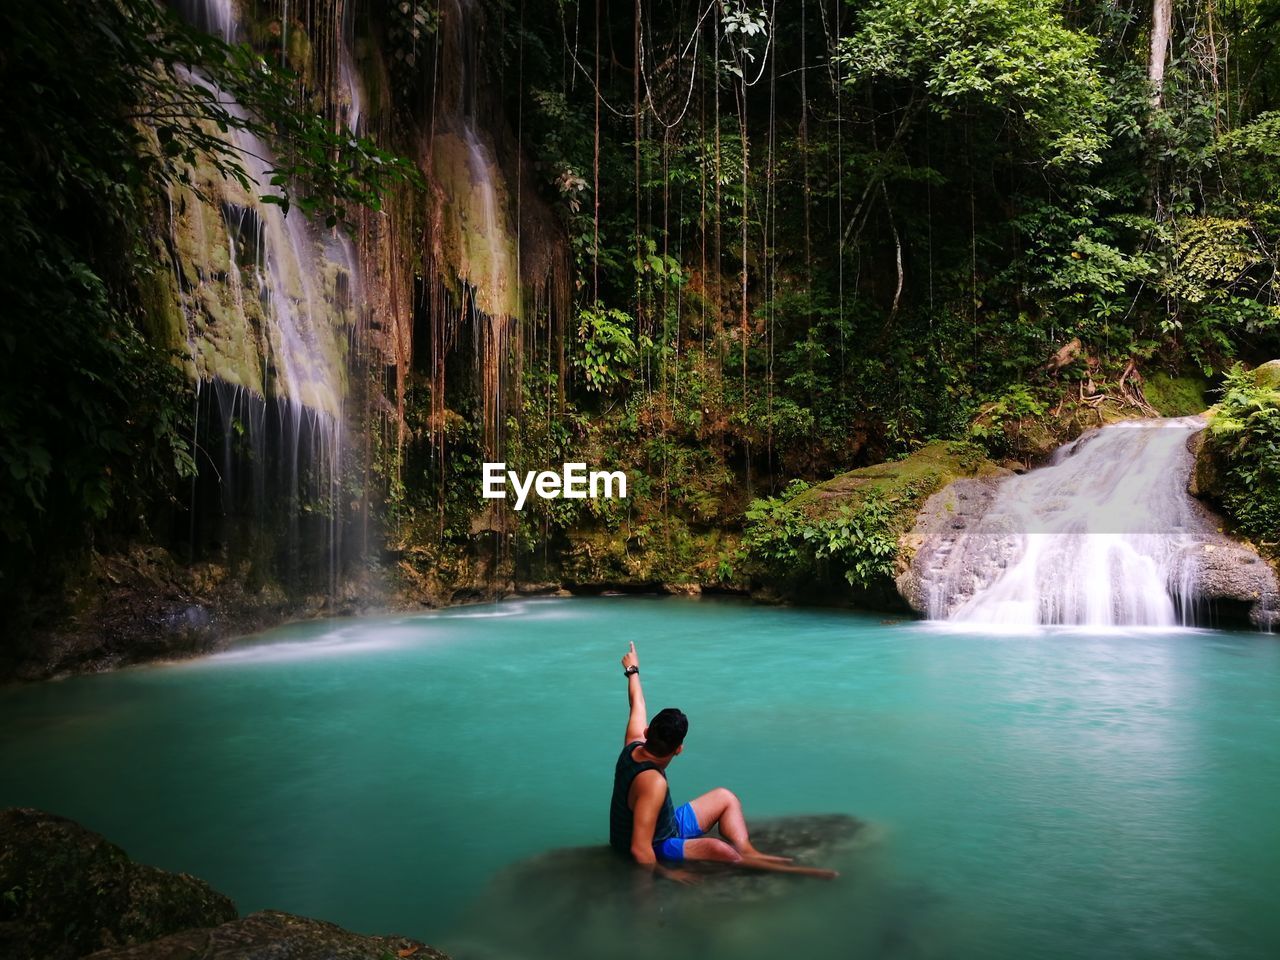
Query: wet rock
955, 507
589, 903
1235, 582
682, 589
68, 891
271, 935
548, 589
586, 872
1205, 477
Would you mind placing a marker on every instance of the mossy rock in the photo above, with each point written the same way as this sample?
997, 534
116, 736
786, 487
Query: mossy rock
648, 553
1268, 375
66, 892
1034, 439
904, 483
1176, 396
570, 902
903, 486
272, 935
1205, 480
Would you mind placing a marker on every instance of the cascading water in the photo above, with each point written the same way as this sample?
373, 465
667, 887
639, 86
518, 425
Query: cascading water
269, 333
483, 250
352, 106
213, 16
1105, 534
492, 272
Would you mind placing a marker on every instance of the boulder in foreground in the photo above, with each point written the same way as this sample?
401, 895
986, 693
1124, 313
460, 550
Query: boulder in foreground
67, 891
271, 935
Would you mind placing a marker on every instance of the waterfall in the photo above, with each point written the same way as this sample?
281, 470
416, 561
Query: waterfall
270, 333
1104, 534
352, 106
217, 17
488, 253
475, 240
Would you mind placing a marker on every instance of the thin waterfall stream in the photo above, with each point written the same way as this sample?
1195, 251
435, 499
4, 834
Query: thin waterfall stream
282, 426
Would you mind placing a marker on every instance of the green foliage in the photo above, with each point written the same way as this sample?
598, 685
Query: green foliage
1017, 56
607, 348
791, 263
1252, 152
1245, 438
1005, 413
857, 543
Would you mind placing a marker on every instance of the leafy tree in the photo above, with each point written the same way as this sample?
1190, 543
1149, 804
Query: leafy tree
1015, 56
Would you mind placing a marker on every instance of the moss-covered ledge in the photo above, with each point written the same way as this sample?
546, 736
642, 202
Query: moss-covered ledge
842, 541
904, 483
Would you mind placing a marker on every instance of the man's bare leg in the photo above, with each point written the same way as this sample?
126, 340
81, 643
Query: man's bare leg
722, 806
710, 848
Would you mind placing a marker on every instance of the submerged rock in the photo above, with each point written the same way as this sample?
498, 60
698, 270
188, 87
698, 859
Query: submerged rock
585, 872
271, 935
66, 891
587, 903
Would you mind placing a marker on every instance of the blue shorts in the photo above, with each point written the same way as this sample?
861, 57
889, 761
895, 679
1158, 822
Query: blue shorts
686, 829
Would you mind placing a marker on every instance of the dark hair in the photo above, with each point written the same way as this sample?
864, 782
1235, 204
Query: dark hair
666, 732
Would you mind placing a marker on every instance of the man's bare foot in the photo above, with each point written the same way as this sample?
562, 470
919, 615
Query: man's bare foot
756, 863
825, 874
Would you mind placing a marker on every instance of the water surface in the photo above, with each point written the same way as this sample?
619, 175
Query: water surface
1057, 794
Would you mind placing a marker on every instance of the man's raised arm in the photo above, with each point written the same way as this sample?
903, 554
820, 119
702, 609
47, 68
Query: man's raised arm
639, 718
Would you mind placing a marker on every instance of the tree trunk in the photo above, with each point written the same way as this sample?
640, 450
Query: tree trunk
1161, 26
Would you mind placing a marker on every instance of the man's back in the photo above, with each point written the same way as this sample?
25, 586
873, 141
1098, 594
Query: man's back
621, 816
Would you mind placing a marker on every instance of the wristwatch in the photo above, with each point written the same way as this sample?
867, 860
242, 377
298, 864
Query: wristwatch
630, 670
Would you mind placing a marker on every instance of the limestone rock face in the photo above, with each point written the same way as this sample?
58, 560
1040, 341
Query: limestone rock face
68, 891
1232, 576
271, 935
946, 514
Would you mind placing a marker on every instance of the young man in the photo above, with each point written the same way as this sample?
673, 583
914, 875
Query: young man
646, 825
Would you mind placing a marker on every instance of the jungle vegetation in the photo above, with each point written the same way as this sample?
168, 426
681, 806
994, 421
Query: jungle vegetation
806, 236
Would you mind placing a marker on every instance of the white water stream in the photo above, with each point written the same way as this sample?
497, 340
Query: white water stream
213, 16
494, 276
1104, 535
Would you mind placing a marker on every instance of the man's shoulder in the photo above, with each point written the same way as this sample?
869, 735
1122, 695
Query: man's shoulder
651, 781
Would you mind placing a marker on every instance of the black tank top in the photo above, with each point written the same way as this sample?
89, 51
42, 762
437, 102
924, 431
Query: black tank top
621, 818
